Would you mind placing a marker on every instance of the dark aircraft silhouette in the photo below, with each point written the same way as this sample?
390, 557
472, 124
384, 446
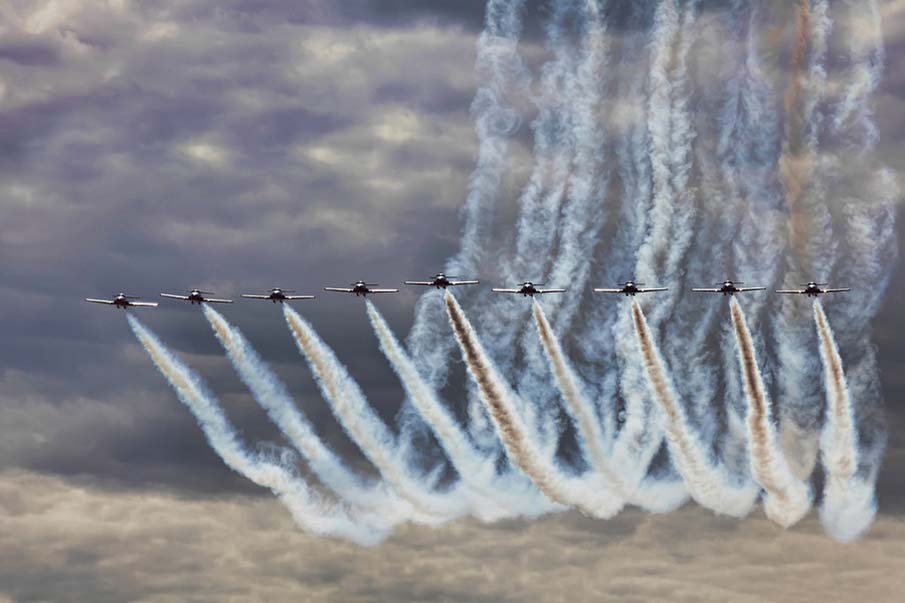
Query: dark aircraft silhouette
631, 288
813, 289
529, 289
730, 288
196, 296
441, 281
360, 288
122, 301
278, 294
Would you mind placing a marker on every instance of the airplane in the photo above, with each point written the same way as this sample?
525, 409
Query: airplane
441, 281
730, 288
278, 294
122, 301
360, 288
631, 288
813, 289
196, 296
529, 289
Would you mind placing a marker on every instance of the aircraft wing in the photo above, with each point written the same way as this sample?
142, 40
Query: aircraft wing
653, 289
551, 291
464, 282
420, 283
171, 296
99, 301
340, 289
214, 300
743, 289
251, 296
299, 297
383, 290
596, 290
707, 290
506, 290
144, 304
791, 291
841, 290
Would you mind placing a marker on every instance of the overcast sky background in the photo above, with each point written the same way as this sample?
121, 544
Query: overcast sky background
157, 146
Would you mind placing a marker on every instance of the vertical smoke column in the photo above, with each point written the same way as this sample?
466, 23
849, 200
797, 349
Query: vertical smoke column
671, 136
811, 245
271, 394
787, 498
583, 214
499, 70
475, 470
522, 450
710, 485
309, 512
849, 505
366, 429
540, 208
868, 194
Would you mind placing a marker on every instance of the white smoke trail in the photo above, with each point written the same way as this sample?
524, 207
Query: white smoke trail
499, 497
710, 485
311, 513
582, 412
787, 499
366, 429
272, 395
849, 505
628, 485
522, 450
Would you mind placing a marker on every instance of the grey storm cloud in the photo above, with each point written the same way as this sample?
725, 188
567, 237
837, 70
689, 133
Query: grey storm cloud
155, 146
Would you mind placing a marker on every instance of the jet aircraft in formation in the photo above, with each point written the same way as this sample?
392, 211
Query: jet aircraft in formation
196, 296
529, 289
443, 281
122, 301
730, 288
278, 294
813, 289
361, 288
631, 288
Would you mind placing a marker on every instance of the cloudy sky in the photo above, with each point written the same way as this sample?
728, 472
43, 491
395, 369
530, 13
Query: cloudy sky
234, 146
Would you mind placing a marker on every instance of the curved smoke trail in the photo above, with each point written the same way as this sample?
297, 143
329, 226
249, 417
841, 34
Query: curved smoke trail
788, 499
710, 485
366, 429
501, 497
273, 397
522, 451
311, 513
849, 505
